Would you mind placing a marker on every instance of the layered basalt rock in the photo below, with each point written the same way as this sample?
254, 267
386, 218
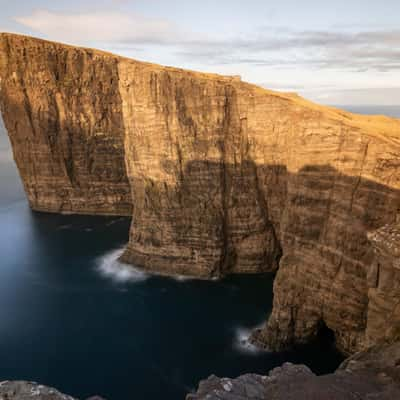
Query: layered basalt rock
198, 205
224, 176
62, 109
383, 317
324, 274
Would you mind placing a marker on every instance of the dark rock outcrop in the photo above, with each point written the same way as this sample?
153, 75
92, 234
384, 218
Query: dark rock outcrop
368, 375
23, 390
224, 176
374, 374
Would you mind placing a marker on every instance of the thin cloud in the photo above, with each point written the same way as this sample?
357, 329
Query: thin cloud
111, 27
377, 50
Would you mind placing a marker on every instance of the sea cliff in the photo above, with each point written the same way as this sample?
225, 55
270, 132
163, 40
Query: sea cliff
220, 177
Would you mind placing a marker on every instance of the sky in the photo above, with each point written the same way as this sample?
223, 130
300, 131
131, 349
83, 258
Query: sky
340, 52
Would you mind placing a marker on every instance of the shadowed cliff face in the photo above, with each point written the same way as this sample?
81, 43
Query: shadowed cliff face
383, 318
225, 177
324, 276
215, 221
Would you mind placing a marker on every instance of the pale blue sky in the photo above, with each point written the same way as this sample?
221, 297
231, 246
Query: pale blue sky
342, 52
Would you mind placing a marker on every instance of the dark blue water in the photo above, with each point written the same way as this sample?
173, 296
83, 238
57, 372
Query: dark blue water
70, 317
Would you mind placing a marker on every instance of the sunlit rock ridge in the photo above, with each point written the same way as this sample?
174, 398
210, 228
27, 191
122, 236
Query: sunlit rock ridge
220, 176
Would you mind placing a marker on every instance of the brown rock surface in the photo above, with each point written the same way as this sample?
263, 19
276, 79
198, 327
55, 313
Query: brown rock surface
62, 109
225, 177
383, 317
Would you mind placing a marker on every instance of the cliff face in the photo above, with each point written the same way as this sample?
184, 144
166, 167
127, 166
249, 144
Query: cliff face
62, 109
241, 175
383, 316
199, 206
225, 177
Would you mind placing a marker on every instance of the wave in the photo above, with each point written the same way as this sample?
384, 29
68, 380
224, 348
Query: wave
183, 278
186, 278
109, 266
242, 343
114, 221
64, 227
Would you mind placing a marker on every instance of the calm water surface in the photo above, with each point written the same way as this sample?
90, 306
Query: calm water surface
72, 318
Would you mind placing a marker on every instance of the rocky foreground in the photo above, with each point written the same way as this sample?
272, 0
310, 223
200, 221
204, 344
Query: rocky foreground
369, 375
374, 374
220, 176
23, 390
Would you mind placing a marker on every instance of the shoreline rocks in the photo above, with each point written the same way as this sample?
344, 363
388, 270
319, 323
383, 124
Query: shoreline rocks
371, 374
24, 390
374, 374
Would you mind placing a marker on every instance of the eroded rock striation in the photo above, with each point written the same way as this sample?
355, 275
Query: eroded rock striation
62, 110
383, 316
224, 177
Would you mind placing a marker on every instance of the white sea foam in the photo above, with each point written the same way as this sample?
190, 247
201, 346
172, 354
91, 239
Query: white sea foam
182, 278
186, 278
110, 267
64, 227
242, 343
114, 221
